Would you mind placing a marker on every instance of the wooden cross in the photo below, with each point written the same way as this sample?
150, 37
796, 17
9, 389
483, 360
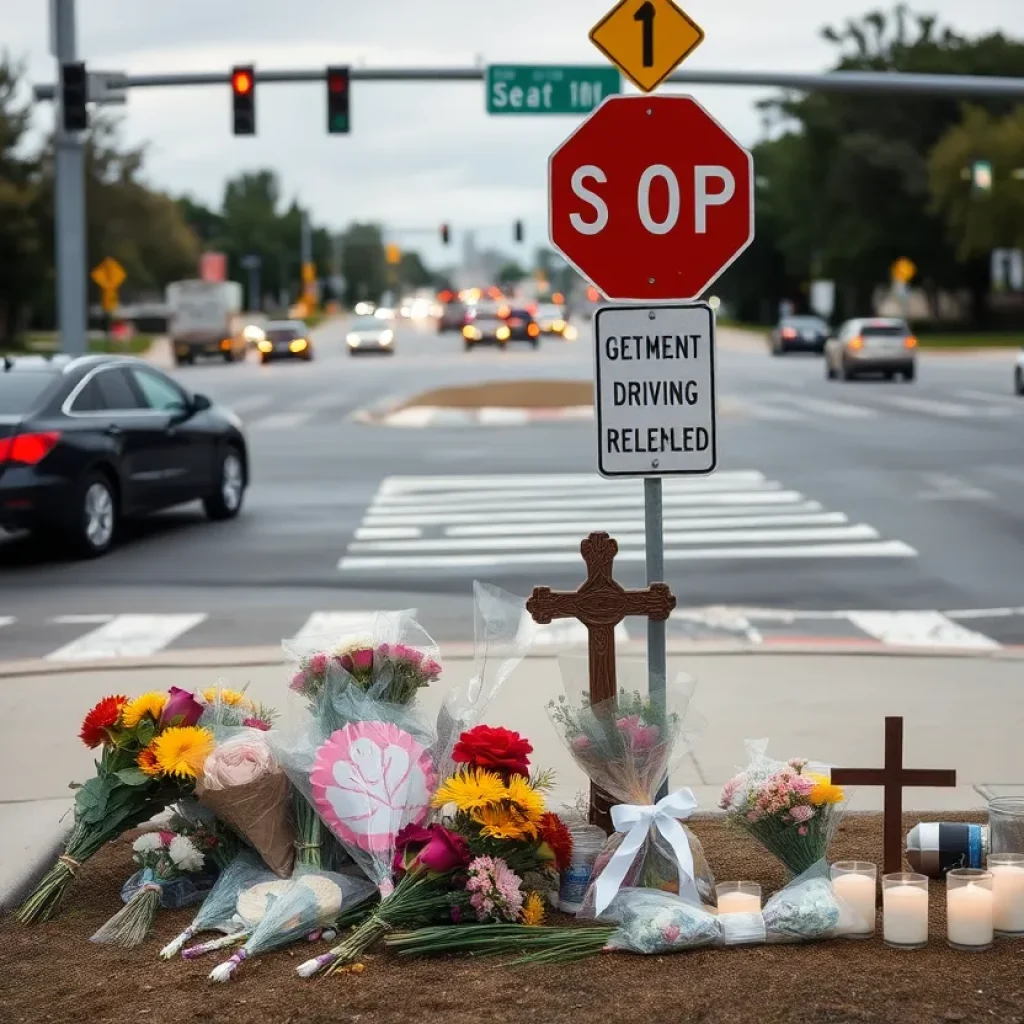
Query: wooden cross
600, 604
894, 777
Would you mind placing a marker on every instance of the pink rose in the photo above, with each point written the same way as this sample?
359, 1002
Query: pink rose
405, 653
362, 659
670, 932
431, 668
580, 743
256, 723
639, 737
802, 830
318, 663
298, 683
801, 812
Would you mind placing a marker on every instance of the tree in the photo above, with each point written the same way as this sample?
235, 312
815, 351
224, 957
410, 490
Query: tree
511, 273
413, 272
363, 264
978, 222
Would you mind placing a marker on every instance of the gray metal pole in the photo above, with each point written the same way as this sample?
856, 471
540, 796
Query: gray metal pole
69, 198
654, 550
254, 288
307, 240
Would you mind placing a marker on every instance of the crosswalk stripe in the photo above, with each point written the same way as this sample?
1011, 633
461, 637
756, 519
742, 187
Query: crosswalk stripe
6, 620
919, 629
387, 532
406, 484
733, 405
876, 549
824, 407
128, 636
282, 420
934, 407
333, 627
991, 397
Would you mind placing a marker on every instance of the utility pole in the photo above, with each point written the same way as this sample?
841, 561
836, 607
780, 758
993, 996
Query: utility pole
69, 197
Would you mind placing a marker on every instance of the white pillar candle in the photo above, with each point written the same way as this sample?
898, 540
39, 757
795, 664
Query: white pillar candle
969, 912
1007, 897
858, 893
738, 903
905, 915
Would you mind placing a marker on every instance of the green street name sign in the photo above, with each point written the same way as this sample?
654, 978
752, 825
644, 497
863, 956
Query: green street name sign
543, 89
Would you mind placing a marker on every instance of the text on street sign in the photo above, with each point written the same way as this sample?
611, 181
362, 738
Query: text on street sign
540, 89
646, 39
655, 389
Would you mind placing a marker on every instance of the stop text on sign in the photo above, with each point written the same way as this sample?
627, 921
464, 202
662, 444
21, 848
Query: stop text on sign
655, 390
713, 185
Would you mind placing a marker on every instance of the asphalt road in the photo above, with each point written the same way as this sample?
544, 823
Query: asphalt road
872, 496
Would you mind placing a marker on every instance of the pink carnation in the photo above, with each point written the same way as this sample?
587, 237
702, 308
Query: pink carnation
670, 932
362, 659
639, 737
298, 683
257, 723
431, 668
802, 812
405, 653
318, 663
580, 743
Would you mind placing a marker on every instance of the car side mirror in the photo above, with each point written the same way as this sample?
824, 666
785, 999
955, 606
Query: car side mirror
200, 403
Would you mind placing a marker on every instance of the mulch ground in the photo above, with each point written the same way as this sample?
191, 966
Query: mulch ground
51, 973
509, 394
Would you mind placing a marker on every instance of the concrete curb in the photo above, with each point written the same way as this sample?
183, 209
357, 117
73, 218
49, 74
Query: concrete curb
18, 884
253, 657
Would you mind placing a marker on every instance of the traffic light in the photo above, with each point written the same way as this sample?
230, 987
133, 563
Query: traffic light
243, 98
981, 176
519, 231
74, 94
445, 235
337, 101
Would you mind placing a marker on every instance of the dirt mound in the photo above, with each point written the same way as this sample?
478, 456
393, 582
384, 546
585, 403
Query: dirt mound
508, 394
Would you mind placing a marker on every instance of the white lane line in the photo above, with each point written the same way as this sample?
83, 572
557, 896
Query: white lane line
731, 405
567, 632
714, 504
249, 403
579, 528
991, 397
919, 629
331, 628
983, 613
80, 620
878, 549
415, 416
128, 636
406, 484
824, 407
495, 416
729, 620
282, 421
6, 620
388, 532
947, 410
860, 531
943, 487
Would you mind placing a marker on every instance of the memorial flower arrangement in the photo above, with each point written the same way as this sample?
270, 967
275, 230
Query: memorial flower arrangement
791, 811
233, 709
151, 752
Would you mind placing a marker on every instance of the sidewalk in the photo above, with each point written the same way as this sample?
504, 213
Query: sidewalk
961, 713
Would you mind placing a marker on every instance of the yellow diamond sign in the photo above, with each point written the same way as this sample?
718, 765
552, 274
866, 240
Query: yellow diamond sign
109, 274
646, 39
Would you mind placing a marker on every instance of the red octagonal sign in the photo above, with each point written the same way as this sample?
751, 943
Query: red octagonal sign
651, 198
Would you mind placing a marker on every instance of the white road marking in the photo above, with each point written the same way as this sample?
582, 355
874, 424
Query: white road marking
282, 420
729, 620
944, 487
495, 416
128, 636
919, 629
414, 416
568, 632
388, 532
333, 627
6, 620
877, 549
407, 484
80, 620
983, 613
991, 397
947, 410
580, 528
733, 405
824, 407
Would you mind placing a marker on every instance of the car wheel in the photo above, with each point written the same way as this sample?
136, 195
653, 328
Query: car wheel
94, 521
535, 342
229, 357
468, 346
778, 350
845, 373
188, 360
225, 501
909, 373
1018, 382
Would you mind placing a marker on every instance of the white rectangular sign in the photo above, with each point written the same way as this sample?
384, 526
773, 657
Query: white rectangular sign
655, 389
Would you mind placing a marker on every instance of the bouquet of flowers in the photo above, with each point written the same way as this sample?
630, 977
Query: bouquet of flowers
151, 751
169, 876
791, 811
626, 746
210, 836
229, 708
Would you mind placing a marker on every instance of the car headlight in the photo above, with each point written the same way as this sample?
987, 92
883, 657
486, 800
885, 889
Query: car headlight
502, 333
387, 337
352, 340
569, 333
298, 345
265, 346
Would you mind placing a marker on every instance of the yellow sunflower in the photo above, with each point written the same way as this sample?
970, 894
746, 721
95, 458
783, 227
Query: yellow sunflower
824, 791
470, 790
151, 704
533, 910
232, 698
182, 750
504, 823
525, 798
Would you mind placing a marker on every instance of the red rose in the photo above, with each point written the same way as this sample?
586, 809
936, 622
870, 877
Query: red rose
497, 750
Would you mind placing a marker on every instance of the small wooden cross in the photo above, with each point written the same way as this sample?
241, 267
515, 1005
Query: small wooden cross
894, 777
600, 604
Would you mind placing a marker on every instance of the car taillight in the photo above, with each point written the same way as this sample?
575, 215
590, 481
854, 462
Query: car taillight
910, 341
788, 332
28, 449
855, 343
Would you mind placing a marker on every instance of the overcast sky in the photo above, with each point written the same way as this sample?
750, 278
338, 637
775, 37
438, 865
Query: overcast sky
418, 155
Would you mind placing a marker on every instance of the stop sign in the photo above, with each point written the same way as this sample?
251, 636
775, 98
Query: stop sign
651, 198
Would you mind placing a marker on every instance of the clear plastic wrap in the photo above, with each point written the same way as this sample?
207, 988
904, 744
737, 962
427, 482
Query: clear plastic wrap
302, 906
217, 912
791, 808
628, 746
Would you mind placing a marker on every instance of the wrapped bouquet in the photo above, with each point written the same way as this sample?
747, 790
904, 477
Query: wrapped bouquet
792, 811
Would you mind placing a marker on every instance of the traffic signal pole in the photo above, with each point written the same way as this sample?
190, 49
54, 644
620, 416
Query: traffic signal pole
69, 201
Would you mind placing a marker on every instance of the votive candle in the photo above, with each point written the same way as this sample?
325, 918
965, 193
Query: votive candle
905, 910
1007, 871
969, 909
739, 898
855, 882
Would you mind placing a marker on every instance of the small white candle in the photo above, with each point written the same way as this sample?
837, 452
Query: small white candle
969, 912
858, 893
738, 903
1007, 897
905, 915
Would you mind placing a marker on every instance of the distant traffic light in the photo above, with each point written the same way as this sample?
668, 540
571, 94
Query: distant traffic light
445, 235
74, 94
981, 176
337, 101
243, 98
519, 231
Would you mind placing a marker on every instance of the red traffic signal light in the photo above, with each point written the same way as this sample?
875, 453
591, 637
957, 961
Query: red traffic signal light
241, 82
338, 122
243, 100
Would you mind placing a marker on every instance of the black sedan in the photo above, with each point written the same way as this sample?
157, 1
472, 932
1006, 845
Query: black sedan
521, 325
88, 441
799, 334
285, 339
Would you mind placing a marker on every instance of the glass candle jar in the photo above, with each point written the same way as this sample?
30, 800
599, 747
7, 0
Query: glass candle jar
905, 910
1007, 871
738, 898
855, 882
1006, 824
970, 921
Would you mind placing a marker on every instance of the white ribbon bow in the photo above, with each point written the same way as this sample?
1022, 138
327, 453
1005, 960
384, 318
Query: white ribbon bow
636, 820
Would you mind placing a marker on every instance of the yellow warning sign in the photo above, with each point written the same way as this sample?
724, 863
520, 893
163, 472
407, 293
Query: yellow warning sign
903, 270
109, 274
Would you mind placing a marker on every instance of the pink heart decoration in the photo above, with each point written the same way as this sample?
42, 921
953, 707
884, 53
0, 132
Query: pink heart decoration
369, 780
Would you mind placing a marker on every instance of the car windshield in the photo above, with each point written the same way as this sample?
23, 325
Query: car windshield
367, 323
550, 311
282, 333
884, 330
805, 323
20, 390
485, 311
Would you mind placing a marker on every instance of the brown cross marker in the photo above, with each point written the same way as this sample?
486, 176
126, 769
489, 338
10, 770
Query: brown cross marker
600, 604
894, 777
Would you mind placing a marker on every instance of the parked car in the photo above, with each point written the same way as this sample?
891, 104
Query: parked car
799, 334
285, 339
878, 345
86, 442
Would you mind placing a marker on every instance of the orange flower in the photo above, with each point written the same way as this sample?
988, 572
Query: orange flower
147, 762
102, 717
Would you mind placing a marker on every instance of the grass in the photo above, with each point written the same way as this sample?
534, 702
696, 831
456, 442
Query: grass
50, 342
